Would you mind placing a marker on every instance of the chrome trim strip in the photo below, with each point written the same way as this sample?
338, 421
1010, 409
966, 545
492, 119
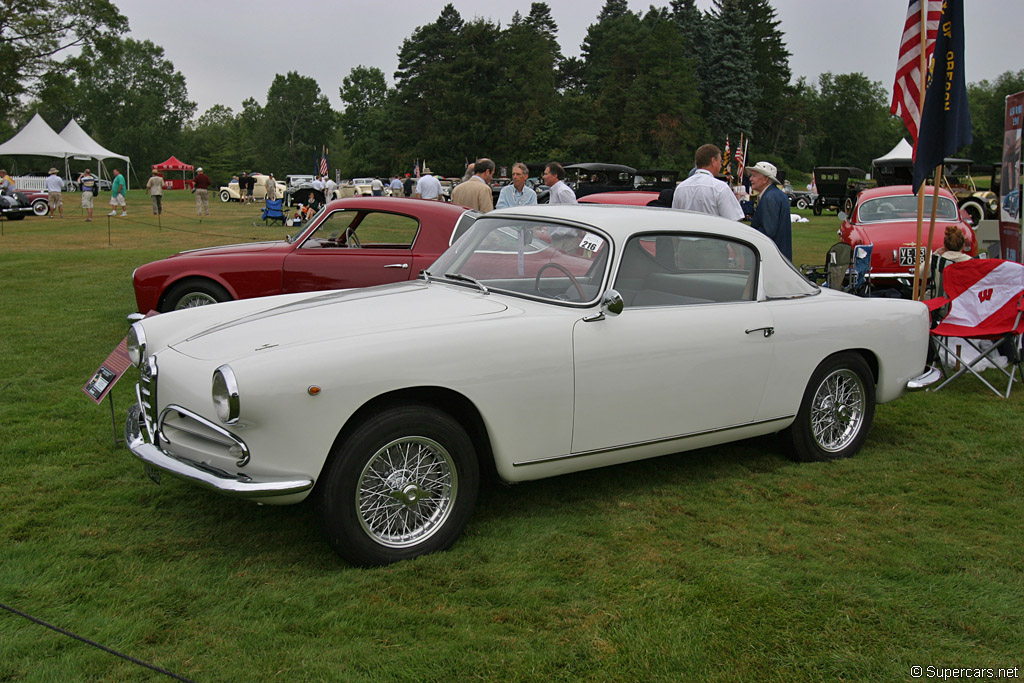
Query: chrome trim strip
242, 462
636, 444
237, 485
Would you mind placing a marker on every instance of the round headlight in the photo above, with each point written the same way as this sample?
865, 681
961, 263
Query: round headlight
993, 204
137, 345
225, 395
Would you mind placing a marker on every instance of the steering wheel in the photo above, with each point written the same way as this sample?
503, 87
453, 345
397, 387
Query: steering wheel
559, 266
351, 240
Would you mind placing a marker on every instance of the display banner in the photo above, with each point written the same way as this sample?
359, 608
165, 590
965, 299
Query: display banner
1010, 181
106, 375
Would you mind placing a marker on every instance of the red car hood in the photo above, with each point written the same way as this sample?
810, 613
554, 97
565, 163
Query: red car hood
233, 249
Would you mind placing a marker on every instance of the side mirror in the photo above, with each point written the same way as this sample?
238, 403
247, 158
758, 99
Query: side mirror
842, 216
611, 304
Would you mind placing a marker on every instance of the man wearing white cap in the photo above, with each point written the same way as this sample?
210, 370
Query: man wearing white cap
772, 213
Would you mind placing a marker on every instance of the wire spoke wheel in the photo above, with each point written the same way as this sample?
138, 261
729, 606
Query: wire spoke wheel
406, 491
838, 410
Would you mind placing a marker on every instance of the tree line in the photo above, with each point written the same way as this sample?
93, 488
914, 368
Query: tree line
647, 89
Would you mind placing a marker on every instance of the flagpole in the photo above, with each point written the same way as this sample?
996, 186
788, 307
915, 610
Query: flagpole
920, 193
931, 232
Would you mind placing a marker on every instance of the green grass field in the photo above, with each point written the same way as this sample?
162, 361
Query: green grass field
721, 564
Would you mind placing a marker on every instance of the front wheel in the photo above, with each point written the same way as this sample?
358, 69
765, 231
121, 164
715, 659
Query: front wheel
801, 203
403, 484
836, 412
974, 211
192, 293
40, 207
225, 196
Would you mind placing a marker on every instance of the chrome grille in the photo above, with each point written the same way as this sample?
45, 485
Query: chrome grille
146, 390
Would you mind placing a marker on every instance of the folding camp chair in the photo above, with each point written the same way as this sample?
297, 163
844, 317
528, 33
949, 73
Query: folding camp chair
986, 307
272, 212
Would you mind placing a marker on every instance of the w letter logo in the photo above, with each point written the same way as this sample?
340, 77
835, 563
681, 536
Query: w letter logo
984, 295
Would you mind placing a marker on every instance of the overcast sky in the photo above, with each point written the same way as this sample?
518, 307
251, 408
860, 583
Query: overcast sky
230, 51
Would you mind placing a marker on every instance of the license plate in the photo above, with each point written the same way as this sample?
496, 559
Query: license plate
907, 255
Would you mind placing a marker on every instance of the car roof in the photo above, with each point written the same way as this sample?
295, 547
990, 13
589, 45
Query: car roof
620, 222
422, 207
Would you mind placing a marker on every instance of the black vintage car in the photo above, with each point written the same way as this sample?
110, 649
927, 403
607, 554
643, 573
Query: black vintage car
591, 178
837, 187
17, 205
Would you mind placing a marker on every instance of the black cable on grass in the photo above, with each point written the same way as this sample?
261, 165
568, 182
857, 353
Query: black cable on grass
133, 660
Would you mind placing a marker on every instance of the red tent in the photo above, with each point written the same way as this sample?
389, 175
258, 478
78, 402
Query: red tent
175, 164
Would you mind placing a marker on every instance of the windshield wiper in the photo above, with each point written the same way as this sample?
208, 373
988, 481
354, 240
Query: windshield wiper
425, 274
467, 278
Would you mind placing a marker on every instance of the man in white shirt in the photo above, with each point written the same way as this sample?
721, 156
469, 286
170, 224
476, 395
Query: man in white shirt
377, 187
703, 191
396, 186
553, 177
54, 188
428, 187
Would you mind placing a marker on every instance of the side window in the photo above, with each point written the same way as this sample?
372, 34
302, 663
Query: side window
362, 229
675, 270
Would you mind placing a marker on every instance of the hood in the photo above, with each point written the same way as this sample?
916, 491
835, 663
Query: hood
339, 315
232, 249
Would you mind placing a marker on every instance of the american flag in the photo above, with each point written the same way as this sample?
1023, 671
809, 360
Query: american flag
323, 162
416, 169
740, 158
906, 92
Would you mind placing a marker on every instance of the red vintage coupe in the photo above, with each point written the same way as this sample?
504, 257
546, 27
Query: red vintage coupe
353, 242
887, 218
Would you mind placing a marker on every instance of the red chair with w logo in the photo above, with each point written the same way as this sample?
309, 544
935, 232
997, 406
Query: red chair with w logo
986, 307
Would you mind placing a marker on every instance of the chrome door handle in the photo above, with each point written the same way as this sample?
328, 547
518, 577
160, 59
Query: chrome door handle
768, 331
403, 266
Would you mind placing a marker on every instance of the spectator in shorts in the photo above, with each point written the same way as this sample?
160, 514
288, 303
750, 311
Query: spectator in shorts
87, 185
54, 188
117, 191
155, 190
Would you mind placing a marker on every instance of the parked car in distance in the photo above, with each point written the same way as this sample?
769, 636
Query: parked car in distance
546, 340
102, 183
353, 242
231, 193
887, 218
626, 198
24, 203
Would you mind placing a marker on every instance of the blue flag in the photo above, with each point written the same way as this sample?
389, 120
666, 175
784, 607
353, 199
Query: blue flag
946, 119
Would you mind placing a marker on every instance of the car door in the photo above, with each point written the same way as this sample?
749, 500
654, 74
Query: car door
690, 352
352, 248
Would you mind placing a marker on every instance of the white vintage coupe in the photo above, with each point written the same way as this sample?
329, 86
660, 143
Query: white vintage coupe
546, 340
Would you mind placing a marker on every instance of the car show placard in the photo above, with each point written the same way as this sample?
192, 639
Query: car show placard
1010, 183
106, 376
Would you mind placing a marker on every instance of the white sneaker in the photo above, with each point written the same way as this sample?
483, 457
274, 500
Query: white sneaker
112, 213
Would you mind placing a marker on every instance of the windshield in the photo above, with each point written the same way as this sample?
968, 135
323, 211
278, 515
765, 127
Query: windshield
904, 207
527, 258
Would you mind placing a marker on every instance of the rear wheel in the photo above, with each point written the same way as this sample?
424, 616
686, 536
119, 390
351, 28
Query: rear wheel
848, 206
403, 484
192, 293
819, 206
836, 412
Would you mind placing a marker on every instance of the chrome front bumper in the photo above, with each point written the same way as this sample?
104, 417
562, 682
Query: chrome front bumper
236, 484
929, 377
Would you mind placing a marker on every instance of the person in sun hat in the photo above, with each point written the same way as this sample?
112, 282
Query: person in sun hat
772, 215
54, 188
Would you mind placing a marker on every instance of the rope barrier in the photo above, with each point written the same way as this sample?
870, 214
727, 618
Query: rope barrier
106, 649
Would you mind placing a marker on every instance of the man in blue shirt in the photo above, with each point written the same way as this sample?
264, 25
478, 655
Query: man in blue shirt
516, 193
772, 215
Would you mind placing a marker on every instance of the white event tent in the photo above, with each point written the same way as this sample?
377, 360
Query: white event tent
38, 139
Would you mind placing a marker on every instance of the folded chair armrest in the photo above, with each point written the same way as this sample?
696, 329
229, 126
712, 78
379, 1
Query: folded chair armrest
936, 303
